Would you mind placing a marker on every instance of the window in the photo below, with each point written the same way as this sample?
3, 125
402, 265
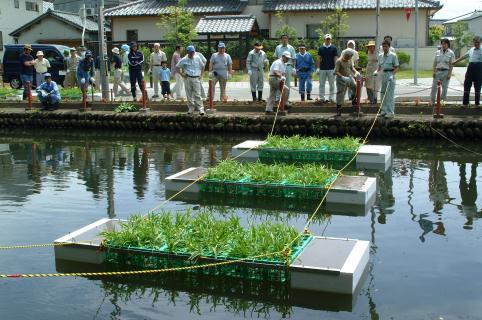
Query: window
31, 6
131, 35
311, 31
16, 4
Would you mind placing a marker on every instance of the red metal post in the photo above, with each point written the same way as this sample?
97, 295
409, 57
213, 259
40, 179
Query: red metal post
358, 94
211, 98
144, 95
29, 95
282, 100
84, 97
438, 96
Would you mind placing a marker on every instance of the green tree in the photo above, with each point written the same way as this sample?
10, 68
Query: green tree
435, 34
285, 29
179, 25
335, 24
462, 37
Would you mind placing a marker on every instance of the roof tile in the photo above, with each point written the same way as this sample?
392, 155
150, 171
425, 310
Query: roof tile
226, 24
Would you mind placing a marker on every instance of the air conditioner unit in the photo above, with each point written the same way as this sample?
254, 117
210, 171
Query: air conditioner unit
90, 12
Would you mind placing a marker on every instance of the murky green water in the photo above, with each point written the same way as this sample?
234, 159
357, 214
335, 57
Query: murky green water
426, 232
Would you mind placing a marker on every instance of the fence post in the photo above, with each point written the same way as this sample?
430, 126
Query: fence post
438, 115
358, 94
282, 100
211, 98
84, 97
29, 95
144, 97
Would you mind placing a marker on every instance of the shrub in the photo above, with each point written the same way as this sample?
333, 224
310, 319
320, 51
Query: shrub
127, 107
362, 63
403, 58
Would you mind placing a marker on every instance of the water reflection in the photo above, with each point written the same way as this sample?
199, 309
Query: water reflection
468, 193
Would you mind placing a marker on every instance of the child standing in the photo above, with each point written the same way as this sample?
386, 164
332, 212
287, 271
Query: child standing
164, 75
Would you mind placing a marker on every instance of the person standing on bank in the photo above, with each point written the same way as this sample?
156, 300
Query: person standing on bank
41, 66
117, 62
276, 75
255, 63
474, 72
26, 68
85, 70
325, 67
370, 78
136, 61
305, 66
220, 70
442, 70
176, 57
155, 61
71, 76
48, 93
291, 64
388, 67
191, 68
345, 74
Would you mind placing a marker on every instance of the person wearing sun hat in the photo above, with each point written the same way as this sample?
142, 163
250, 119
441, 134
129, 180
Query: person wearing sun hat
372, 65
117, 64
26, 68
255, 63
41, 66
48, 93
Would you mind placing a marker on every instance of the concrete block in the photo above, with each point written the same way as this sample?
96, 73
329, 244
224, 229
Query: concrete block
374, 157
184, 180
247, 150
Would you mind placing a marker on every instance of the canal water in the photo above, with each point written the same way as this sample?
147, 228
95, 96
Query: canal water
425, 231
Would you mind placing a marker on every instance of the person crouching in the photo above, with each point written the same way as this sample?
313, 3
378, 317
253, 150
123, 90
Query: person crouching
277, 74
345, 73
48, 93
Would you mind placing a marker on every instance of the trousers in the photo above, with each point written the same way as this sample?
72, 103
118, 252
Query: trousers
178, 86
193, 93
388, 94
70, 80
256, 80
306, 84
442, 76
155, 79
342, 86
473, 75
118, 82
48, 101
275, 92
135, 75
222, 87
330, 76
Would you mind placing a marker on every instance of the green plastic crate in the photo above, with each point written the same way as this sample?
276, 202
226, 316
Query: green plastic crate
337, 157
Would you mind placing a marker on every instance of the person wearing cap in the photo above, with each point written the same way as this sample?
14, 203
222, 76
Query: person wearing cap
220, 69
474, 72
48, 93
388, 66
345, 78
155, 61
351, 46
277, 73
442, 69
71, 63
136, 61
26, 68
372, 66
255, 63
117, 64
191, 68
176, 57
85, 70
305, 66
82, 50
325, 67
291, 64
41, 66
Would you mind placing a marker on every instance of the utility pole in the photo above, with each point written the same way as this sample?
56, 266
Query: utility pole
415, 59
103, 54
377, 32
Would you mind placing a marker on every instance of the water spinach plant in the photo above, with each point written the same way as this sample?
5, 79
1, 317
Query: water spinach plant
307, 174
297, 142
202, 234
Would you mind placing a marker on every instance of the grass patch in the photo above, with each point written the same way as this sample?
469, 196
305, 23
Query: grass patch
126, 107
308, 174
408, 74
297, 142
5, 92
202, 235
71, 93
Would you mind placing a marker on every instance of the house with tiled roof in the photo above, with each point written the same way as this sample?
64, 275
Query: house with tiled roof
471, 20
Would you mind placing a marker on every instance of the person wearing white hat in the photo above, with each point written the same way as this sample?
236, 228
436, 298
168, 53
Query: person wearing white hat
345, 78
117, 64
325, 64
277, 73
48, 93
351, 46
291, 64
155, 61
41, 66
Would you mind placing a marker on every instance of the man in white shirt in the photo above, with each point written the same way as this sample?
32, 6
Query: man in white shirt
155, 66
191, 68
277, 73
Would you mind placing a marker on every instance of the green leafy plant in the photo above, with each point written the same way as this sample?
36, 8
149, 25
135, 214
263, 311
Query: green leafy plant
403, 58
203, 235
462, 37
178, 25
127, 107
284, 28
335, 24
5, 92
435, 34
71, 93
362, 62
297, 142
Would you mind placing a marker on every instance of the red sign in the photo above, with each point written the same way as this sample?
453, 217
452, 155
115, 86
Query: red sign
408, 13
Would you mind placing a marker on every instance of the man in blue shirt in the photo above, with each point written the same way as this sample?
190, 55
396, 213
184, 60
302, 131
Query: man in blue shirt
305, 66
136, 61
191, 68
85, 70
474, 72
325, 64
26, 68
48, 93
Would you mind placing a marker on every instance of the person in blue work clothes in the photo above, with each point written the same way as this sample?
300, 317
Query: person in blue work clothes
136, 61
387, 66
165, 75
474, 72
26, 68
85, 70
48, 93
305, 66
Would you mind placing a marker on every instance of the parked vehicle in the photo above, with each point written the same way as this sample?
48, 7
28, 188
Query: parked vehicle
11, 64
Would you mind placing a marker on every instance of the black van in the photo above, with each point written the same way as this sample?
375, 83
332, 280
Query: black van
52, 52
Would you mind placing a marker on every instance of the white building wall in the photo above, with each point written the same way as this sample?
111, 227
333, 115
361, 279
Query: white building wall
12, 18
50, 28
261, 17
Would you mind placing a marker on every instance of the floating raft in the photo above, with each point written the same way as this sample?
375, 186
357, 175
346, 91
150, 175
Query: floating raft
320, 264
370, 157
348, 194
